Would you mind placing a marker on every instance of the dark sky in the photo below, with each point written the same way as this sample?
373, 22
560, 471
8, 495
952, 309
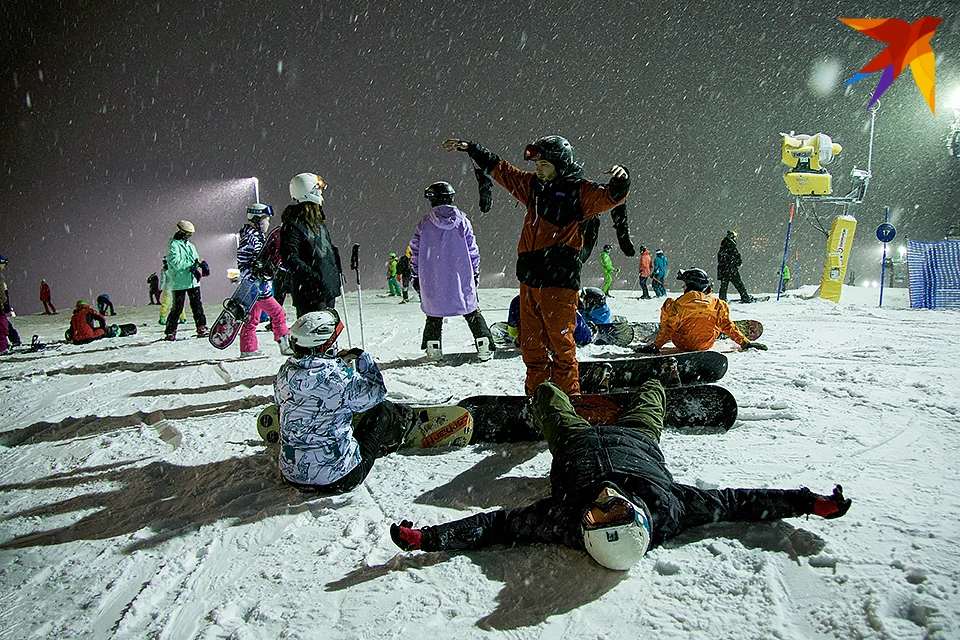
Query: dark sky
121, 118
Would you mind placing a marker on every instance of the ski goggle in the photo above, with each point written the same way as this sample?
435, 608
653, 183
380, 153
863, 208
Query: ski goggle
611, 511
532, 152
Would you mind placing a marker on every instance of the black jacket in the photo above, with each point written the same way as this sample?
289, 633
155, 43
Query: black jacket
728, 259
312, 261
613, 456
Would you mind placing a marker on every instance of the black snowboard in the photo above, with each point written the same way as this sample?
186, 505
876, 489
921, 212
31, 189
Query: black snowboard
625, 374
508, 418
121, 330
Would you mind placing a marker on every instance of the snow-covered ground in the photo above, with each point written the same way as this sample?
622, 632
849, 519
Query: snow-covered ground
138, 502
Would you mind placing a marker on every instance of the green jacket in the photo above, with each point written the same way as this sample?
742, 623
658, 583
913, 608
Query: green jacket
606, 262
181, 257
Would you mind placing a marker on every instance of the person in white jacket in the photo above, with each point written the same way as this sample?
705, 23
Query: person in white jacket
335, 420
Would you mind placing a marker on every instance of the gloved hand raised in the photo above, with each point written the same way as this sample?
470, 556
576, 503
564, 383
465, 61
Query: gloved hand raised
405, 536
754, 345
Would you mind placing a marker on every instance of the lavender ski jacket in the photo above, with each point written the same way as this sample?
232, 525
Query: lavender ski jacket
446, 260
318, 397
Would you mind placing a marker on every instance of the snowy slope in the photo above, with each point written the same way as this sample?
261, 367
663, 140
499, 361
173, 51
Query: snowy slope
138, 502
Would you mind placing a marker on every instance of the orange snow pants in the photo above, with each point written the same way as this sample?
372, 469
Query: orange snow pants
548, 317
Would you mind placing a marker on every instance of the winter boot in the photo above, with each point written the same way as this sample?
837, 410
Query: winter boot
251, 354
433, 350
484, 352
202, 331
170, 336
598, 380
285, 348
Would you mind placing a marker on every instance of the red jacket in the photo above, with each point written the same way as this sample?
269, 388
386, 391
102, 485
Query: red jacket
44, 292
87, 324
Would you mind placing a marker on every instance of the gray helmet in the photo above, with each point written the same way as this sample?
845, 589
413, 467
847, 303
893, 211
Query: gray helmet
696, 279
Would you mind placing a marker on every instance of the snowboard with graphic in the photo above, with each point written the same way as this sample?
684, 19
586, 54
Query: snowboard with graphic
623, 374
436, 426
752, 329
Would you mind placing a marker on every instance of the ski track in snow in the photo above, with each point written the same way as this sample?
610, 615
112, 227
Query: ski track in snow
114, 527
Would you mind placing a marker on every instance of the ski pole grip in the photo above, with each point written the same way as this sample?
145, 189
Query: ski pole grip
355, 257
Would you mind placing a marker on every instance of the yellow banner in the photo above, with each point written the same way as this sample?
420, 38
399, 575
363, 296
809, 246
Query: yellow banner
838, 256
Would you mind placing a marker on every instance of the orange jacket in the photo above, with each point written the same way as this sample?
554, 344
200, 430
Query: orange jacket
694, 321
646, 264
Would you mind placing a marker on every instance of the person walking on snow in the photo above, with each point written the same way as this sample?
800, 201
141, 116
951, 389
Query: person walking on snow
645, 269
335, 420
252, 240
612, 494
659, 274
153, 281
405, 273
695, 320
48, 308
606, 263
558, 199
306, 249
445, 262
728, 268
185, 270
392, 283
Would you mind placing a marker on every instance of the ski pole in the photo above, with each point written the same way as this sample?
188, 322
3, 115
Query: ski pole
355, 265
346, 321
786, 247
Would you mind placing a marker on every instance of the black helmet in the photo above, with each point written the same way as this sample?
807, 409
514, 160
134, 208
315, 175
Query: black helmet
554, 149
696, 279
607, 248
439, 193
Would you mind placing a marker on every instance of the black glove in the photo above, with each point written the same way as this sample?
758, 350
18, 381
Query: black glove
650, 348
620, 224
205, 268
348, 355
195, 270
405, 536
485, 186
416, 284
476, 279
755, 345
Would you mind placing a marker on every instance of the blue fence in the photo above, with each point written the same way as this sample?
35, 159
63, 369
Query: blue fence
934, 274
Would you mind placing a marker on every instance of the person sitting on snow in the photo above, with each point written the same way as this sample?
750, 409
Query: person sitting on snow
582, 334
86, 325
611, 492
335, 420
593, 305
695, 320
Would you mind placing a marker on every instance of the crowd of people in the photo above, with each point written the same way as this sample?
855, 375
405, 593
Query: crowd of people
612, 493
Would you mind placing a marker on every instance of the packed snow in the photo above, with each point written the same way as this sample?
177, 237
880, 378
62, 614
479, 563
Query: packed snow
138, 500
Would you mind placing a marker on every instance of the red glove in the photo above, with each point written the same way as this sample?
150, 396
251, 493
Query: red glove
832, 506
405, 536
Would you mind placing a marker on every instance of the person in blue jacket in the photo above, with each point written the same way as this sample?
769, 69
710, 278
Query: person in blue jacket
335, 420
659, 273
593, 305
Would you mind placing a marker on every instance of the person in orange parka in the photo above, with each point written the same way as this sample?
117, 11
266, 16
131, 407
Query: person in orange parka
86, 324
646, 268
695, 320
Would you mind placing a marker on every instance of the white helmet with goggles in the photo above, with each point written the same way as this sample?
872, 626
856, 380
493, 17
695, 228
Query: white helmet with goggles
616, 530
307, 187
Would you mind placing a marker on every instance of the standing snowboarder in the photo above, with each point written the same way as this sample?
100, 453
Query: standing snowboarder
609, 271
252, 240
185, 270
728, 268
445, 261
48, 308
306, 249
659, 273
558, 199
153, 281
391, 273
612, 494
405, 273
645, 269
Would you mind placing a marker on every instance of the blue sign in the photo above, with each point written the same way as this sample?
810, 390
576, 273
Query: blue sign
886, 232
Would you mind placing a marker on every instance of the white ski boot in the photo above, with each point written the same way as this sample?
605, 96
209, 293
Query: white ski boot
433, 350
484, 352
284, 343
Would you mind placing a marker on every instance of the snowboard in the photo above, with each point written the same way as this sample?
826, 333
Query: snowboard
627, 373
500, 419
752, 329
437, 426
237, 307
620, 334
755, 299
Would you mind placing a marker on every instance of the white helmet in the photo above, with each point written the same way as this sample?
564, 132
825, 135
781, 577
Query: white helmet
257, 210
616, 531
186, 226
316, 330
307, 187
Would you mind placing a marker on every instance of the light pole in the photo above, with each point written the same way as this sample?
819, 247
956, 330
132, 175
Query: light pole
256, 188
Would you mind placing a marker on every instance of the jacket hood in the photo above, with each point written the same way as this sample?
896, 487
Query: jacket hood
446, 216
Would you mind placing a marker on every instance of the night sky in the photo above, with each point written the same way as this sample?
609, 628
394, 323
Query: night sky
120, 118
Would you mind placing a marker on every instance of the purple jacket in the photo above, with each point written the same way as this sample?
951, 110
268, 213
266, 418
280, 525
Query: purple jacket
445, 259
